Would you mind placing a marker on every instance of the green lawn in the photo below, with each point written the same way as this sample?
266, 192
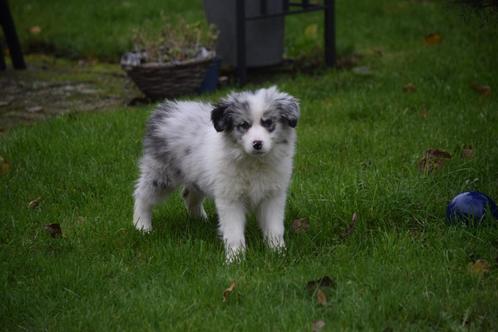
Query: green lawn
360, 139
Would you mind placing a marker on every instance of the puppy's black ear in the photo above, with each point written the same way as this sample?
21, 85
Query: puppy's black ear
289, 110
220, 116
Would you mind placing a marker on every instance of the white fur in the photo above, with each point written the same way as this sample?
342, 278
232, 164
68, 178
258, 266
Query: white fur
221, 165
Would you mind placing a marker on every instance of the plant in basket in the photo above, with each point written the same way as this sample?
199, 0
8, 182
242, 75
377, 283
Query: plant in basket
172, 61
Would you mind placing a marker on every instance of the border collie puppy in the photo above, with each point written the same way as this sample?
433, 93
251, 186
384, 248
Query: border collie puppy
238, 152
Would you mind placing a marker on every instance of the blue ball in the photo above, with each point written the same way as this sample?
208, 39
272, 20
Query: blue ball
470, 207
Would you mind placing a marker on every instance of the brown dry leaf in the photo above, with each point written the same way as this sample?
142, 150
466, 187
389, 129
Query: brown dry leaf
483, 90
35, 30
479, 267
423, 113
433, 38
468, 152
433, 159
4, 166
34, 203
228, 291
300, 225
318, 325
321, 298
54, 230
409, 87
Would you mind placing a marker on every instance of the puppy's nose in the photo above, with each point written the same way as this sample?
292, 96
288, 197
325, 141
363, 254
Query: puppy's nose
257, 145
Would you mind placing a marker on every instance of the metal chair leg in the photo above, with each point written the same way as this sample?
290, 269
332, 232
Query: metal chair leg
2, 59
241, 41
11, 36
329, 25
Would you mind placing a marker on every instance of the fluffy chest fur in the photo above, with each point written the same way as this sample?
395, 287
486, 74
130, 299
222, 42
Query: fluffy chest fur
252, 180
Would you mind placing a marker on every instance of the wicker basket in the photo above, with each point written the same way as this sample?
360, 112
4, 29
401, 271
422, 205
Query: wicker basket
169, 80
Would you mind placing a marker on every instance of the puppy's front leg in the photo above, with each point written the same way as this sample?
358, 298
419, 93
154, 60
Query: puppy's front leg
271, 220
232, 222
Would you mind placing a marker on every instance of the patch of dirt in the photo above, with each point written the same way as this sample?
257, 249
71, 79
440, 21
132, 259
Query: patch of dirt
50, 87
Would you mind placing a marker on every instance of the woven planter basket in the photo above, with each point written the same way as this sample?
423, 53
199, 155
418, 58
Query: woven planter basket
168, 80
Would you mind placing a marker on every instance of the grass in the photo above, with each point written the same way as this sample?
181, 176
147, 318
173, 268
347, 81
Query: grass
360, 138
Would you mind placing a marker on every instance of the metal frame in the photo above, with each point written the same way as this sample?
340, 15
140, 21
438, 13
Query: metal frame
328, 8
10, 33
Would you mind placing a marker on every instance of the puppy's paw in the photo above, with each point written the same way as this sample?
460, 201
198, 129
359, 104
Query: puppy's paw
276, 244
143, 227
234, 255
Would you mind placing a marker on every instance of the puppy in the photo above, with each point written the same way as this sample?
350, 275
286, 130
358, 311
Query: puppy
238, 152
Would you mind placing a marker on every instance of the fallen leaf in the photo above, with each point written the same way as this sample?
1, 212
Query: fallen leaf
228, 291
300, 225
318, 325
34, 109
479, 267
323, 282
54, 230
4, 166
351, 227
433, 38
483, 90
34, 203
433, 159
321, 298
311, 31
35, 30
423, 113
409, 87
468, 152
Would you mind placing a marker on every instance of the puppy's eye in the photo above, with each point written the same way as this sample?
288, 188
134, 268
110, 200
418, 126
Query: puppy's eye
266, 123
244, 125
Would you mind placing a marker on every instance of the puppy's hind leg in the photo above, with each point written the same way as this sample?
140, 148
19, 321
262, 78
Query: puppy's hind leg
193, 198
147, 194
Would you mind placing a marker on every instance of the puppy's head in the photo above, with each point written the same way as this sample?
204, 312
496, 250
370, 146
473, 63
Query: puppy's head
256, 120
